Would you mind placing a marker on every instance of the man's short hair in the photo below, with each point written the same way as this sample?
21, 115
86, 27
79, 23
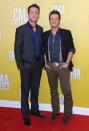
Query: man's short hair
55, 12
33, 5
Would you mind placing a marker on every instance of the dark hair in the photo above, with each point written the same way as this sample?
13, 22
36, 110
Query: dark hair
54, 12
33, 5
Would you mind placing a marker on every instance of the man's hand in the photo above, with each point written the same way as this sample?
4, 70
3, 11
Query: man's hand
64, 65
47, 66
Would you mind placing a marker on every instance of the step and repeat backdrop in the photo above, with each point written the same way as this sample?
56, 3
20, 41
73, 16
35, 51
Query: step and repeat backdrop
75, 16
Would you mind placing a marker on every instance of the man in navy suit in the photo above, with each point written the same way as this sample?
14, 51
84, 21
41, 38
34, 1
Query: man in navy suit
29, 58
59, 49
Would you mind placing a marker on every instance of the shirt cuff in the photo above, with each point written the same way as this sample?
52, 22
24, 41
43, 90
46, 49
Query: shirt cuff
72, 50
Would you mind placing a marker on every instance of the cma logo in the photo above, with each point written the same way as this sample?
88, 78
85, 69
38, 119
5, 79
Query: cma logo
75, 74
4, 82
59, 8
11, 55
0, 35
19, 16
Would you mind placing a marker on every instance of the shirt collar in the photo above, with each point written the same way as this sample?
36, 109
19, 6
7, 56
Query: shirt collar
58, 31
31, 27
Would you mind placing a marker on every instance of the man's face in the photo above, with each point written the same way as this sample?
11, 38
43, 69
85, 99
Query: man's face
54, 20
33, 14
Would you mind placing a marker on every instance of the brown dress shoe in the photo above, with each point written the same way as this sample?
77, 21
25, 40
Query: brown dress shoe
66, 118
54, 116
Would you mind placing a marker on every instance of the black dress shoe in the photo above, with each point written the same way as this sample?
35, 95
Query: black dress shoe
66, 118
27, 121
38, 114
54, 116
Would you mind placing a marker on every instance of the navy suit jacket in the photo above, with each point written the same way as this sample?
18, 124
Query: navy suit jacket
23, 47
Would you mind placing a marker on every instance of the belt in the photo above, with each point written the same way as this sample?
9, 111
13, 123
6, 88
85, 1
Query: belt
55, 64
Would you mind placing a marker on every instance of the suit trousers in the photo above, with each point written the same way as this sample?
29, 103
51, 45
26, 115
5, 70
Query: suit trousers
63, 74
30, 82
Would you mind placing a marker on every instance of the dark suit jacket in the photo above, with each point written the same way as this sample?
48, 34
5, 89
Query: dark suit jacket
24, 45
67, 44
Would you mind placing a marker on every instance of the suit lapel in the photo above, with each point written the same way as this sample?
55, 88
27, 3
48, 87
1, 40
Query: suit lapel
28, 31
62, 37
40, 34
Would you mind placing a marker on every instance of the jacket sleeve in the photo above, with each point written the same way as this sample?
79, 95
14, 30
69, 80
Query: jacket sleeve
71, 43
45, 39
18, 47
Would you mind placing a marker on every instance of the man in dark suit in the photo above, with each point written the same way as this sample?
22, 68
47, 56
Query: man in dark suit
29, 58
59, 49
